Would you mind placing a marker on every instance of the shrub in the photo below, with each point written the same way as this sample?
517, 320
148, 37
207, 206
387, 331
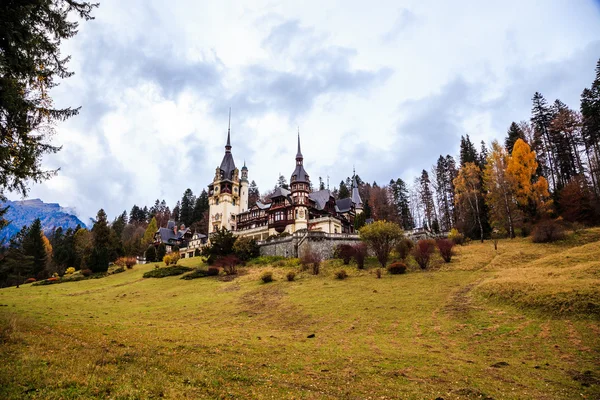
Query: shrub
150, 254
161, 251
167, 260
266, 277
213, 271
378, 273
423, 252
526, 229
360, 254
70, 271
246, 248
118, 270
445, 247
341, 274
167, 271
291, 276
548, 231
86, 272
30, 280
457, 237
197, 273
128, 262
403, 248
345, 252
381, 236
311, 259
396, 268
265, 260
228, 263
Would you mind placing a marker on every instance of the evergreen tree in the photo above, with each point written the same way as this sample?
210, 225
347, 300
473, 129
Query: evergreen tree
282, 182
175, 214
148, 238
150, 254
33, 246
427, 199
468, 153
321, 184
564, 132
469, 198
101, 244
186, 212
161, 251
541, 117
590, 130
31, 34
253, 194
483, 155
200, 207
442, 179
343, 192
512, 135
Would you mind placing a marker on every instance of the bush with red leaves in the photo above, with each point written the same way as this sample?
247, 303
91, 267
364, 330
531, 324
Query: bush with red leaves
423, 251
345, 252
228, 263
360, 254
445, 246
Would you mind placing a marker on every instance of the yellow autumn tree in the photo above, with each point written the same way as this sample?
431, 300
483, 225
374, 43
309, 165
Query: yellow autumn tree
468, 193
48, 250
522, 167
500, 191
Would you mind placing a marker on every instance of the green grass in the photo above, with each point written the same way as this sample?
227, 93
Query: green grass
509, 324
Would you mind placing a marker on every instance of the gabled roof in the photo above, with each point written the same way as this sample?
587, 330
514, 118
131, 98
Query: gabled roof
344, 205
320, 198
263, 206
280, 192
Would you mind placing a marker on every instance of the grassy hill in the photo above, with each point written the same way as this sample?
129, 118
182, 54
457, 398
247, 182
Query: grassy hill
520, 322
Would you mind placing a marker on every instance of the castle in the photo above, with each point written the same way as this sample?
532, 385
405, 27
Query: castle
286, 211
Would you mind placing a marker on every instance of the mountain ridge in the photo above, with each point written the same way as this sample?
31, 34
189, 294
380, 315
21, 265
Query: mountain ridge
24, 212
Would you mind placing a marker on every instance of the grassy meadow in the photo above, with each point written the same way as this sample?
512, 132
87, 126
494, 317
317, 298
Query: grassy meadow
522, 322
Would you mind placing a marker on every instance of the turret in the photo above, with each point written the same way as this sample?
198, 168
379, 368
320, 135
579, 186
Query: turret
244, 189
300, 188
356, 200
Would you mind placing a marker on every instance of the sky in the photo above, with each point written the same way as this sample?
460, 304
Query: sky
384, 87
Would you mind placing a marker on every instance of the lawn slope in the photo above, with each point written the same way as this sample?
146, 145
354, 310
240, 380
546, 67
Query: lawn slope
519, 322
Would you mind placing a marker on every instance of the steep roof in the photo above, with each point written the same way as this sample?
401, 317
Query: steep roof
344, 205
355, 195
228, 165
299, 174
280, 192
320, 198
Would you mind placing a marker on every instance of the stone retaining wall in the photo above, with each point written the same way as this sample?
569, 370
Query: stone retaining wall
295, 245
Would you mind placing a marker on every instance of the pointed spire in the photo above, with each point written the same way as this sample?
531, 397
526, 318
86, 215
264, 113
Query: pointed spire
228, 145
299, 154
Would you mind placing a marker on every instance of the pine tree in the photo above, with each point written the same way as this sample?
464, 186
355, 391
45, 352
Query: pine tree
175, 213
282, 182
426, 196
343, 192
541, 117
33, 246
101, 242
32, 33
403, 205
200, 207
253, 194
512, 135
468, 153
186, 212
442, 179
590, 132
148, 238
321, 184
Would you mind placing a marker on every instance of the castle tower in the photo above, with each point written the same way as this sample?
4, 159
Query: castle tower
224, 197
300, 188
358, 205
244, 189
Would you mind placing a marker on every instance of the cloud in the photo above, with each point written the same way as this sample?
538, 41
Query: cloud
384, 88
